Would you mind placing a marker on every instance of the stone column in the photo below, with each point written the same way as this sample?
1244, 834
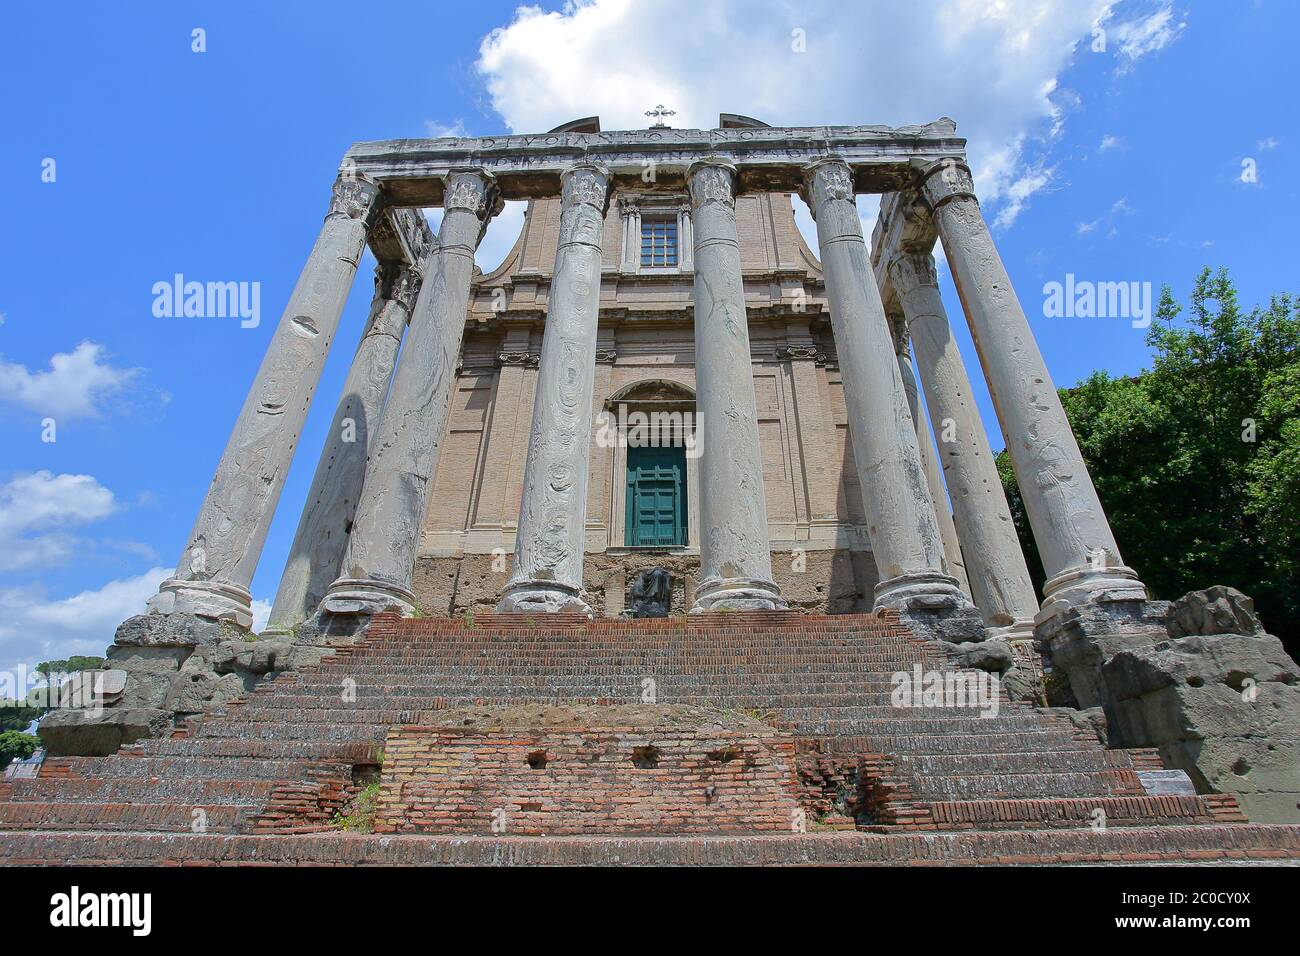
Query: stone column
549, 544
216, 568
317, 552
995, 564
901, 523
954, 563
1079, 553
385, 535
735, 554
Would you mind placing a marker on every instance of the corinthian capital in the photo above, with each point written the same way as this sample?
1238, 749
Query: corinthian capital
399, 282
472, 190
911, 270
826, 180
588, 183
945, 180
712, 182
355, 197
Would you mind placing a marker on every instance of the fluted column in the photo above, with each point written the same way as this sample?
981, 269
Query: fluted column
381, 550
1079, 553
322, 536
216, 568
954, 562
735, 553
547, 575
901, 523
995, 563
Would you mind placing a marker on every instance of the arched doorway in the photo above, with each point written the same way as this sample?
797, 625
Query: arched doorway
654, 467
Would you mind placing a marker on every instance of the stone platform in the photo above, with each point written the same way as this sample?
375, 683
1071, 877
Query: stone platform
264, 779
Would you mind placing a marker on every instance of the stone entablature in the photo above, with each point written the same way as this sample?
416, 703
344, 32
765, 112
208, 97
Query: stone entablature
766, 159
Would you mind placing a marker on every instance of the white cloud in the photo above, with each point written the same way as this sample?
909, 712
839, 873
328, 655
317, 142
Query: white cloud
1263, 145
36, 507
76, 384
992, 65
440, 130
1110, 142
35, 628
261, 611
1145, 34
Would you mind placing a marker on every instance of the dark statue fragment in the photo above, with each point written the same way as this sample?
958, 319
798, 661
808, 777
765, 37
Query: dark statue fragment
652, 593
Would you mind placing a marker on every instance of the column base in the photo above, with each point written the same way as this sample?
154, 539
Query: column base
1089, 585
932, 604
542, 597
737, 594
921, 591
365, 597
216, 600
1022, 630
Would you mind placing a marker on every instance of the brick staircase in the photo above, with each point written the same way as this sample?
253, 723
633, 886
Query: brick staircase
263, 779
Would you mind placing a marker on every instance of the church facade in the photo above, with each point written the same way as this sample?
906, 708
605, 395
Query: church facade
643, 481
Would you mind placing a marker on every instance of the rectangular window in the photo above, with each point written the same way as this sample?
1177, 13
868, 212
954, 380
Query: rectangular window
658, 243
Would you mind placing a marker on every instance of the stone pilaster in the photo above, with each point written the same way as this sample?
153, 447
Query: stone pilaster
735, 554
1079, 553
322, 536
217, 565
385, 535
954, 562
549, 544
995, 564
901, 522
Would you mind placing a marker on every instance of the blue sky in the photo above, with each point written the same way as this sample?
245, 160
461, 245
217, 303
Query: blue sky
1122, 164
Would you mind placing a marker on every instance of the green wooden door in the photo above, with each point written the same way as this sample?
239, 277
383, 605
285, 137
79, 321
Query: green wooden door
656, 497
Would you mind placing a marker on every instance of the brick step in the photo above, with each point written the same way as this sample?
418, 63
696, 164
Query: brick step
751, 647
134, 767
185, 790
1013, 786
1036, 741
378, 672
134, 816
812, 724
256, 748
1110, 811
627, 686
357, 730
367, 673
362, 713
956, 717
998, 761
1174, 844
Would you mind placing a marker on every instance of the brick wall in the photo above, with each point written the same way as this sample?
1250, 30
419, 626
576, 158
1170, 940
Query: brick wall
587, 779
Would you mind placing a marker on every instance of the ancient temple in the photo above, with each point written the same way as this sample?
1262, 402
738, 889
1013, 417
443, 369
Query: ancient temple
662, 374
630, 291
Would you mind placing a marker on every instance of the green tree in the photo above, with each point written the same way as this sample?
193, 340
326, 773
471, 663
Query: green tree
17, 716
16, 746
1197, 459
77, 662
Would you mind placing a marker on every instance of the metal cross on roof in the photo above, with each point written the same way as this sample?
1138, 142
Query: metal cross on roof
659, 113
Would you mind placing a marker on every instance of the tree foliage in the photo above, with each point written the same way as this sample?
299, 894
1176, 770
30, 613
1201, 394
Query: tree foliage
77, 662
1197, 459
16, 746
